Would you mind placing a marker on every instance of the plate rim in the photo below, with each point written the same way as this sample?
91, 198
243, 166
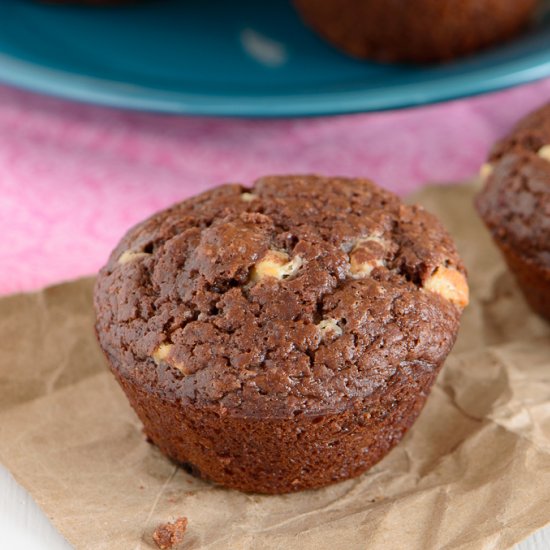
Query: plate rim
109, 93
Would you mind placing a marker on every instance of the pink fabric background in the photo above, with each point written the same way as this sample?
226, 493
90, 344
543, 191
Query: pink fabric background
73, 177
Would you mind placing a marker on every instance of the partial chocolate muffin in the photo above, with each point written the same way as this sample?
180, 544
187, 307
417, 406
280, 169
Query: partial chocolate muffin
282, 337
415, 30
98, 3
515, 205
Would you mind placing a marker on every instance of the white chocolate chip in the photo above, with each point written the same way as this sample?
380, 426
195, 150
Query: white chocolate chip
162, 355
329, 325
450, 284
544, 152
275, 264
485, 171
360, 270
371, 239
162, 352
129, 255
361, 267
248, 197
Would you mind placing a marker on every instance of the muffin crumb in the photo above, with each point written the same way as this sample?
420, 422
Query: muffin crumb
168, 535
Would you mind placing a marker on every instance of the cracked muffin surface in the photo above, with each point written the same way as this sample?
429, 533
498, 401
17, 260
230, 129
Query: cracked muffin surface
515, 201
281, 337
301, 294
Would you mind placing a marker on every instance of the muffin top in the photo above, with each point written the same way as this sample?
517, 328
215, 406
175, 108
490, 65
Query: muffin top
515, 200
302, 294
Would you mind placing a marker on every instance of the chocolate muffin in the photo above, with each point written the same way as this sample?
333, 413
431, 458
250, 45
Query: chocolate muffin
96, 3
282, 337
515, 205
415, 30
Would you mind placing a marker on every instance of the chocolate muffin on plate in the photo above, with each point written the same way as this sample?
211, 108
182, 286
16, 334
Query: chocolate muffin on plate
285, 336
515, 205
415, 30
99, 3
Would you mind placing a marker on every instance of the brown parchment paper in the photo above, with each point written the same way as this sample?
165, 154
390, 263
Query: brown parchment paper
474, 471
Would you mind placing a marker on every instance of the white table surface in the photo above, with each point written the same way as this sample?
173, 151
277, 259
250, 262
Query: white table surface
23, 526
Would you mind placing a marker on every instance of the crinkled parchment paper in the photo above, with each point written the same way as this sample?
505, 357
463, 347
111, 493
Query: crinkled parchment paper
474, 471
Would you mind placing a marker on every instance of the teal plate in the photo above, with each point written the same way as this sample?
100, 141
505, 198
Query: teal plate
238, 58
